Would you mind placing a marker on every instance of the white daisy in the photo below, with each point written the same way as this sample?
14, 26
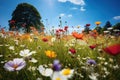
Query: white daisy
11, 48
33, 60
58, 76
25, 53
45, 71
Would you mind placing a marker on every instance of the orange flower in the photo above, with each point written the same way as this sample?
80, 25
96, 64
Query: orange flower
77, 35
50, 54
94, 33
98, 23
25, 37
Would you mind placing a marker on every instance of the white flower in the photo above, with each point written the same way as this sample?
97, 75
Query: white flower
67, 73
105, 63
110, 28
39, 78
93, 76
25, 53
1, 45
58, 76
22, 45
107, 73
45, 71
53, 39
11, 48
6, 44
1, 55
33, 60
32, 68
116, 67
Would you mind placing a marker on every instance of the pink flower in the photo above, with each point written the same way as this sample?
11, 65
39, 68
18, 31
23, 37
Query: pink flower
15, 65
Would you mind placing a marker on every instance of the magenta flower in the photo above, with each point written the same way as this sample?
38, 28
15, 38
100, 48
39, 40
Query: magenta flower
15, 65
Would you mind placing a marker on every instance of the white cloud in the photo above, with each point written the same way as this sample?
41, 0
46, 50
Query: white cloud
69, 15
116, 17
76, 2
82, 9
74, 8
62, 0
62, 15
65, 15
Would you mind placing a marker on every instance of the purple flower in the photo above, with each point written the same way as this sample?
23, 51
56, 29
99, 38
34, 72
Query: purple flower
56, 65
91, 62
15, 65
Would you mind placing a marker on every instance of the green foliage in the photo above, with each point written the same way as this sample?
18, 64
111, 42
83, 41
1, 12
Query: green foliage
87, 29
117, 26
26, 15
107, 25
98, 29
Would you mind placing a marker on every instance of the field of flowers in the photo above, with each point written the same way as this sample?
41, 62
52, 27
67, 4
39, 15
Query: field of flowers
36, 56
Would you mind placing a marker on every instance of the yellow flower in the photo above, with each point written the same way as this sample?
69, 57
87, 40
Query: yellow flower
67, 72
50, 54
98, 23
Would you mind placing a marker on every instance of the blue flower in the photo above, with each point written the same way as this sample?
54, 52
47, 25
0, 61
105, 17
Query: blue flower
91, 62
56, 65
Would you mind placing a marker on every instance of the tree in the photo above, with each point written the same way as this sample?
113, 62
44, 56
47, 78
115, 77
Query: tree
107, 25
25, 15
117, 26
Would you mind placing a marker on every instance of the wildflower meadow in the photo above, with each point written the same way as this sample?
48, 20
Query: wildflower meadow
75, 56
59, 39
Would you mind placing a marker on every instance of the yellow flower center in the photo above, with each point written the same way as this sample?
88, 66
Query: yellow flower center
58, 78
66, 72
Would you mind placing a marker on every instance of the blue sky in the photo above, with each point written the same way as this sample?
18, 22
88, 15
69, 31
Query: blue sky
75, 12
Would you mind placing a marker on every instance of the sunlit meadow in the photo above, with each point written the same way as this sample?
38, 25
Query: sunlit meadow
59, 56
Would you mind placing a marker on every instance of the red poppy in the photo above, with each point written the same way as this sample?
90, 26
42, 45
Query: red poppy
113, 49
72, 50
66, 28
57, 31
87, 25
61, 30
93, 46
44, 39
77, 35
12, 21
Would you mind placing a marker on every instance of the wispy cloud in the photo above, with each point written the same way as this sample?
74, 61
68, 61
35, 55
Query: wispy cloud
62, 15
69, 15
65, 15
76, 2
73, 8
62, 0
116, 17
82, 8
